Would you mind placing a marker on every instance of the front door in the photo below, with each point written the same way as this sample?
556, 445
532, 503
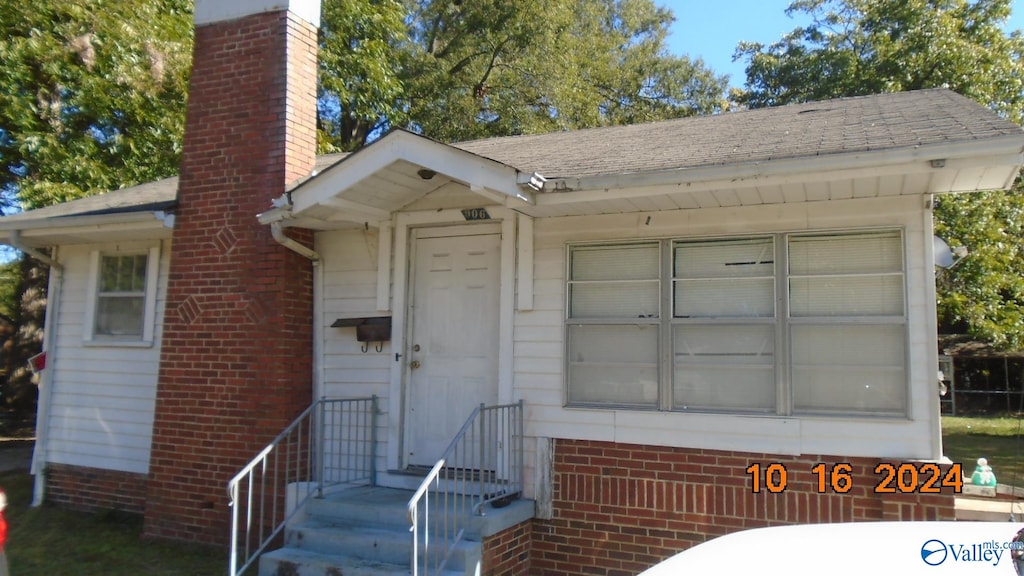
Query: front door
453, 349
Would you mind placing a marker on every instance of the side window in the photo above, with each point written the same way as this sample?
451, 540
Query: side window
121, 296
122, 301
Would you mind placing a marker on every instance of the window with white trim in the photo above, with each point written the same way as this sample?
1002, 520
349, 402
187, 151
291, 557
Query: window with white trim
123, 296
810, 323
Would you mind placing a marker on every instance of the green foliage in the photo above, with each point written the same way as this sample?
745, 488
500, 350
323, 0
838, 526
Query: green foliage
360, 75
10, 284
984, 293
856, 47
92, 95
465, 70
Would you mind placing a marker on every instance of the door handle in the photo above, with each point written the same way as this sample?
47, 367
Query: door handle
414, 364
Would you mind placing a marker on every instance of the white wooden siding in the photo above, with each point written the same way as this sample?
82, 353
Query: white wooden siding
349, 271
101, 413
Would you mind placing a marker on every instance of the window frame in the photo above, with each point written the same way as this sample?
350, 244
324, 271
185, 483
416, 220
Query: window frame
782, 321
90, 336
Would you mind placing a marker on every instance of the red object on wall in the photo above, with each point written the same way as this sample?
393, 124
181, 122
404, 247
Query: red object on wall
37, 363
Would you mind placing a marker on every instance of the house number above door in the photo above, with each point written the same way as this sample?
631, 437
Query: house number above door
475, 214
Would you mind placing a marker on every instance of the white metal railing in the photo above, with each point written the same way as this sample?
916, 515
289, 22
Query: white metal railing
332, 442
482, 464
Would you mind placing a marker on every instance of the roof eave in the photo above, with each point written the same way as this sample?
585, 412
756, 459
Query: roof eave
43, 232
1004, 148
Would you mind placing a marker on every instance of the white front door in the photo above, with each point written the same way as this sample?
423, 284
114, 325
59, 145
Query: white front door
452, 351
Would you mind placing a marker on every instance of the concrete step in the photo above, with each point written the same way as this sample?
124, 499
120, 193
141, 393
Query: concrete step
363, 531
298, 562
374, 543
362, 506
988, 509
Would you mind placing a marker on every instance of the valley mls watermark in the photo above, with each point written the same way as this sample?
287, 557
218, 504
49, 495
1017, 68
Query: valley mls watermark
936, 552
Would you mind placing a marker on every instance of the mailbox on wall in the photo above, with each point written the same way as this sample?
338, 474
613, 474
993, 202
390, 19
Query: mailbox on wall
368, 329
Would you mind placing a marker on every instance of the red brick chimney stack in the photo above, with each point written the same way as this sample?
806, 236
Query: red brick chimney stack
235, 365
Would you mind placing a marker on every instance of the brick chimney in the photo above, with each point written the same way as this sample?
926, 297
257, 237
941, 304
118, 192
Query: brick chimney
235, 364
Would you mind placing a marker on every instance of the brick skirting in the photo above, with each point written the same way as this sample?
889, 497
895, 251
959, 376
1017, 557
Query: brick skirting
92, 489
621, 508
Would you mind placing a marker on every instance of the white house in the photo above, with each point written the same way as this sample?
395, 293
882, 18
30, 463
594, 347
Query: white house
675, 304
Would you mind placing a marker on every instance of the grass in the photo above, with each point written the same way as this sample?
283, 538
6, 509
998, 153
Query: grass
47, 540
965, 439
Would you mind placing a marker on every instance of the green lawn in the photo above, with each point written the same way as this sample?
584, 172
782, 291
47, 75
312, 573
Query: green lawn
48, 541
965, 439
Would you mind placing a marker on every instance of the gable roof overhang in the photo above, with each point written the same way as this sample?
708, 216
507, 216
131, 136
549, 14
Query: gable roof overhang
142, 212
392, 173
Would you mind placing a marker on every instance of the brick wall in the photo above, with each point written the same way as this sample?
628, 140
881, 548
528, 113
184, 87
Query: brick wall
620, 508
236, 360
92, 489
507, 553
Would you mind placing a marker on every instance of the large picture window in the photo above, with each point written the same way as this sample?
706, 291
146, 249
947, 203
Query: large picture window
779, 324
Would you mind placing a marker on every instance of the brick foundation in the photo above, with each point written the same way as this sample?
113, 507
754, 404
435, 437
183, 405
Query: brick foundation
507, 553
92, 489
620, 508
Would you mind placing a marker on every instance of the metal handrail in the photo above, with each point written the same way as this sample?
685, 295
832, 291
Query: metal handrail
332, 442
482, 464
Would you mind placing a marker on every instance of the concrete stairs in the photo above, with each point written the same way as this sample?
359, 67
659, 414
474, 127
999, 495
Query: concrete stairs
361, 531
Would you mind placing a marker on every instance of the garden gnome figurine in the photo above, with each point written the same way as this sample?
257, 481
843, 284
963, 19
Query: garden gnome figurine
983, 475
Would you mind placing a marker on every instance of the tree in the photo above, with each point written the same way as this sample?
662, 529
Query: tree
92, 95
856, 47
92, 98
463, 70
360, 84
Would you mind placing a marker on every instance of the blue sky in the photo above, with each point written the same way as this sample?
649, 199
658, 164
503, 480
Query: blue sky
711, 30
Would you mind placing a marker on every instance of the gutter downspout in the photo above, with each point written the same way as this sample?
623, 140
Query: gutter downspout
39, 452
277, 231
53, 289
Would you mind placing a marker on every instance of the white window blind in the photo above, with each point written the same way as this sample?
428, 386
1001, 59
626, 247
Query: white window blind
614, 303
733, 278
695, 324
847, 339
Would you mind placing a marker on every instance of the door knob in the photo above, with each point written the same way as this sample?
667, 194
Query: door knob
414, 364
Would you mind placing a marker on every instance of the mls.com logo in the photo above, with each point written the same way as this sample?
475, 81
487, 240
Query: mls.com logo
934, 552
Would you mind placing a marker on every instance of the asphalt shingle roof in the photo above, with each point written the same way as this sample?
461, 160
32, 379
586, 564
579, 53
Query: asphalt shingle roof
846, 125
859, 124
